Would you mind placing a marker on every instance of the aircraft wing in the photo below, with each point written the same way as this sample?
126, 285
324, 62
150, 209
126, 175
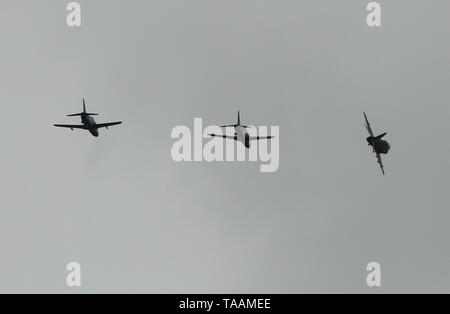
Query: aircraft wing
106, 125
257, 138
369, 129
380, 162
224, 136
70, 126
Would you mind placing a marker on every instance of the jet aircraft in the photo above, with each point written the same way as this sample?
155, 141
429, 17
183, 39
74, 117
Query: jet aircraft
241, 133
379, 145
88, 123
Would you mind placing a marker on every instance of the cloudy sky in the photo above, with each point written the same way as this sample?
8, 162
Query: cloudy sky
137, 221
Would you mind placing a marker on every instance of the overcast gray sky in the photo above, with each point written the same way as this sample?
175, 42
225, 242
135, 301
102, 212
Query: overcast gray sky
137, 221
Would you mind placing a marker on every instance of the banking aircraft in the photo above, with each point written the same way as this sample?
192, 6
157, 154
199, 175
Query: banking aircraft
88, 123
379, 146
241, 133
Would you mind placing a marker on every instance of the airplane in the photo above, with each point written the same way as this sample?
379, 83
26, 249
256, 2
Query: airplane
379, 146
88, 123
241, 133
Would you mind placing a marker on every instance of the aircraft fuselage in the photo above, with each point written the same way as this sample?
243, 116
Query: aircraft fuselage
242, 136
90, 124
379, 145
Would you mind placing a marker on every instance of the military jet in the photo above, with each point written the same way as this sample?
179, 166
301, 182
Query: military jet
379, 146
241, 133
88, 123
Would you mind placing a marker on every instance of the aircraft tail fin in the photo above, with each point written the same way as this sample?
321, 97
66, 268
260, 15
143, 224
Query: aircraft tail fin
237, 124
84, 113
381, 136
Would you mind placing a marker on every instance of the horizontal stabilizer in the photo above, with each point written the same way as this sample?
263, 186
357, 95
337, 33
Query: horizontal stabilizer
82, 113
